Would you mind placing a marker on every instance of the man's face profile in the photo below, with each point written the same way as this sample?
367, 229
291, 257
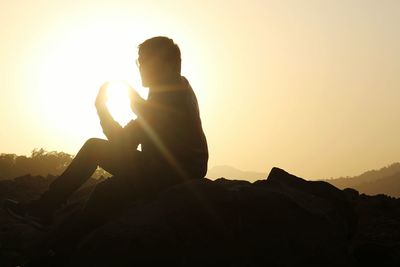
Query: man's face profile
153, 70
149, 70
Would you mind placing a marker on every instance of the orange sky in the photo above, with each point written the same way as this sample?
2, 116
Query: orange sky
308, 86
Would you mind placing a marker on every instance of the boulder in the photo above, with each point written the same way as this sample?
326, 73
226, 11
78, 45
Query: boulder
283, 220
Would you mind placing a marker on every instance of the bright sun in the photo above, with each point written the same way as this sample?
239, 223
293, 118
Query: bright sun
118, 101
75, 62
74, 68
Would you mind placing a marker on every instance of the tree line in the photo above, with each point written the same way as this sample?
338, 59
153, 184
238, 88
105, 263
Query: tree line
40, 162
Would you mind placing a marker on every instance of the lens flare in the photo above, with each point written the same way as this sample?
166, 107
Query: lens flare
118, 102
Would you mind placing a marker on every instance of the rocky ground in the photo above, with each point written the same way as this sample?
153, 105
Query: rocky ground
281, 221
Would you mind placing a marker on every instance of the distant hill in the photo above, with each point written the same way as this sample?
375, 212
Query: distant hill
383, 181
233, 173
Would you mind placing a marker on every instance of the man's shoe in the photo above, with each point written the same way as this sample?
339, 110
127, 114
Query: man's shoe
39, 218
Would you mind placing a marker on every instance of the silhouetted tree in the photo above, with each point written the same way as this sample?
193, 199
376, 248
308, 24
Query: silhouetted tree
40, 162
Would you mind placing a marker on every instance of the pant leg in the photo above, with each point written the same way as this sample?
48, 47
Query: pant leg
109, 199
115, 194
95, 152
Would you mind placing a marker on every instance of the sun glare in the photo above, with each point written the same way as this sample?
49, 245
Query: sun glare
71, 64
118, 101
73, 68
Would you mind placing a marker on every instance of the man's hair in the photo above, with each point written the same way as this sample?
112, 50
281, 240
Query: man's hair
162, 48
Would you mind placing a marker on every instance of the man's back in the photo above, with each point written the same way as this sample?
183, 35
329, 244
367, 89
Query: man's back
171, 131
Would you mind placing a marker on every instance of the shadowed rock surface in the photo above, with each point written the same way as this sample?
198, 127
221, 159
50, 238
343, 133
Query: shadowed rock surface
281, 221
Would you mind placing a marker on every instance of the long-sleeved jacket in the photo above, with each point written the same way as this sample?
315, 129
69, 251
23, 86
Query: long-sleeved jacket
169, 129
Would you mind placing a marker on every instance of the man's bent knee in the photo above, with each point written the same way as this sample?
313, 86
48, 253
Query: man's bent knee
93, 145
95, 142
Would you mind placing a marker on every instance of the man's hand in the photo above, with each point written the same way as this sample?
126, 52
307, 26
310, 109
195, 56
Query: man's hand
101, 98
136, 101
111, 128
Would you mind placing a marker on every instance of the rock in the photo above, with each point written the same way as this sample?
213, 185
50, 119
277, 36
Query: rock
230, 223
281, 221
317, 197
377, 242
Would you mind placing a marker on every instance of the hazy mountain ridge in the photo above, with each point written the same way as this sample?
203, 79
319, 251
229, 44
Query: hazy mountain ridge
234, 173
382, 181
41, 162
385, 180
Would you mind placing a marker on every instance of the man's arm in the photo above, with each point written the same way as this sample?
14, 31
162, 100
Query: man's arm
138, 104
130, 135
111, 128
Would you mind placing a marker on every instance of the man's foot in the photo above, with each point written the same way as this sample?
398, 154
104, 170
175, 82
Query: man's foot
29, 213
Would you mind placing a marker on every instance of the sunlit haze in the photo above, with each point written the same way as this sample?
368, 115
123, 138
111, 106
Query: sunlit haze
312, 87
118, 101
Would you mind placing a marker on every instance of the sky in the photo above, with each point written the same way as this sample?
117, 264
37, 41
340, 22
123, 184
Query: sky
312, 87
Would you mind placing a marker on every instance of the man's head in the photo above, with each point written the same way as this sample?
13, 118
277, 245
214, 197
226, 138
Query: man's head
159, 61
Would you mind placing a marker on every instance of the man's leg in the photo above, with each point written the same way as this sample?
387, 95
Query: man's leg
109, 199
95, 152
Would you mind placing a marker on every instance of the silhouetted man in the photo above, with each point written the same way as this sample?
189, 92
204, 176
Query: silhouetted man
168, 128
